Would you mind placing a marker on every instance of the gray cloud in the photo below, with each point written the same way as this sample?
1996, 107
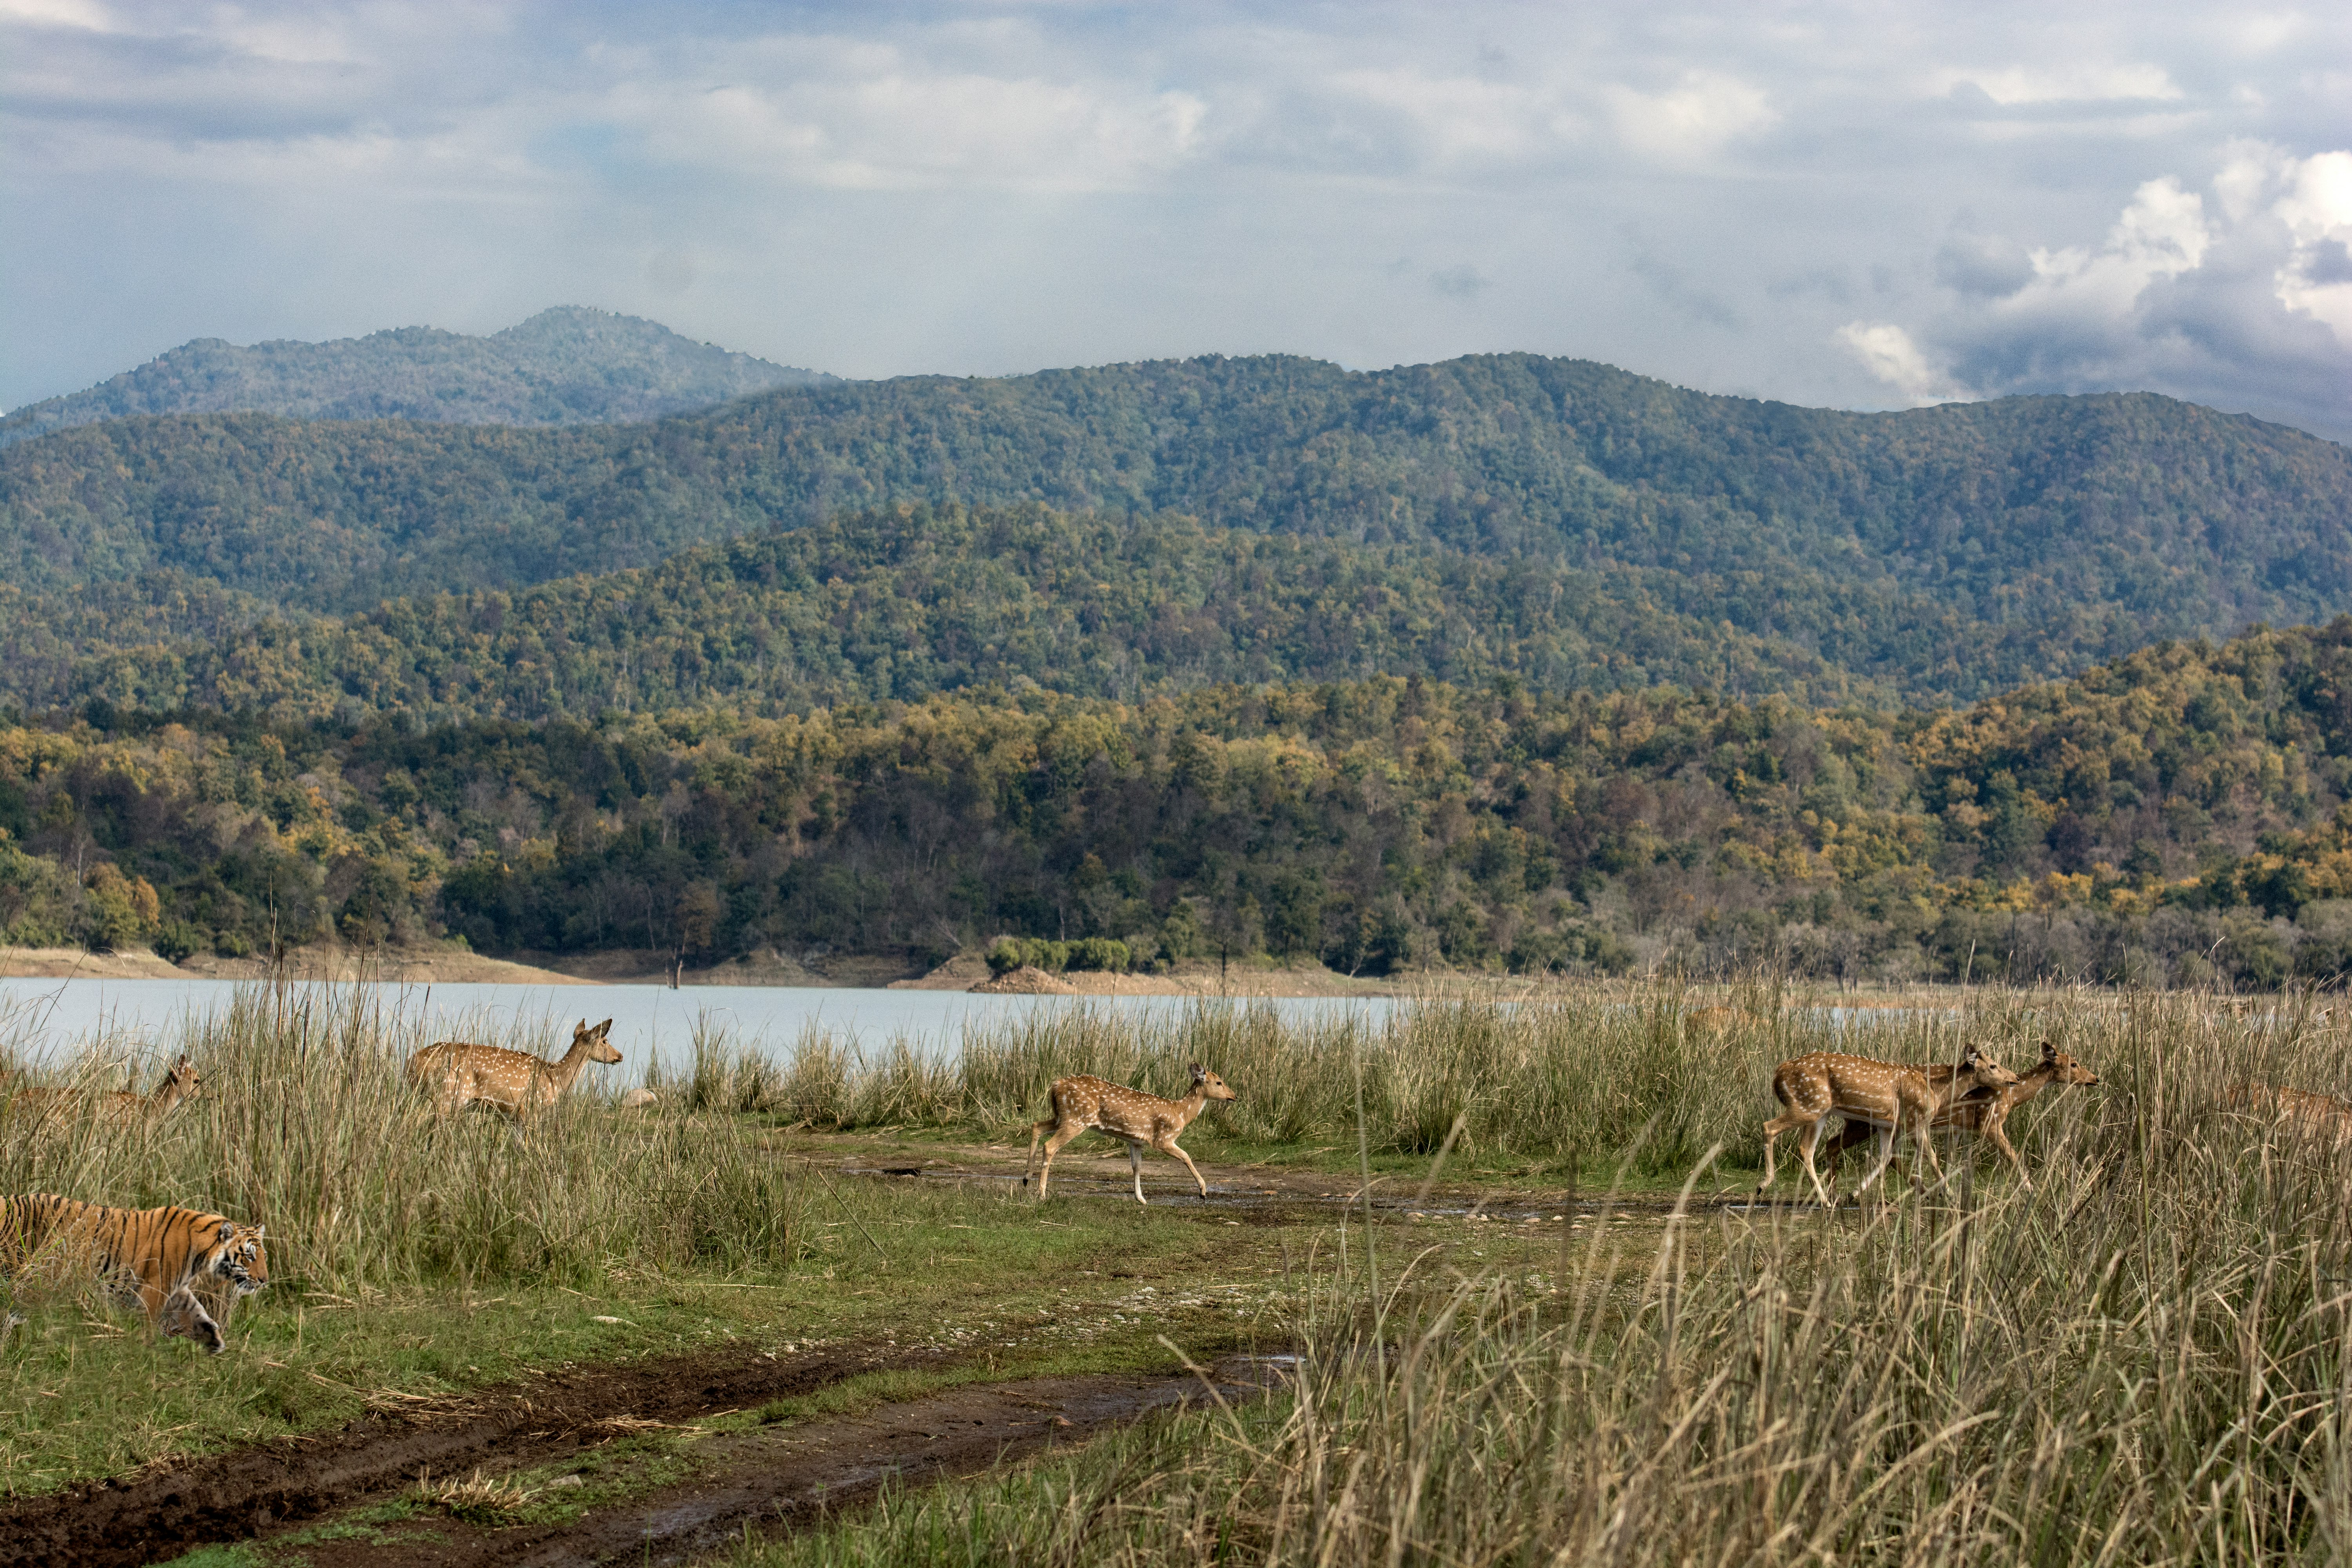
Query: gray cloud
1835, 202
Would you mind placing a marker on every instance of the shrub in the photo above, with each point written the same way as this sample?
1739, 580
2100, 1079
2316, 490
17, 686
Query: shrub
1007, 953
179, 940
1099, 952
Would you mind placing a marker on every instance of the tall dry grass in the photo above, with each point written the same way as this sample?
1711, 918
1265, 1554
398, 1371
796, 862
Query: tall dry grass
2145, 1358
1635, 1075
305, 1125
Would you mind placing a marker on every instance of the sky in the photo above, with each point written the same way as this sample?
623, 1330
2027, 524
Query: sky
1863, 205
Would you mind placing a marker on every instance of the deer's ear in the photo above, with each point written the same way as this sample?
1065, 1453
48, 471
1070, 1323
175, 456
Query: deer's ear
1199, 1072
605, 1028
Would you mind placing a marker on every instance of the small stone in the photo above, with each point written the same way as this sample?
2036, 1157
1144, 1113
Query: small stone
564, 1483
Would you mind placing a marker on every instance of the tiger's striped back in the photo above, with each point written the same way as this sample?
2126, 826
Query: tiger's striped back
153, 1257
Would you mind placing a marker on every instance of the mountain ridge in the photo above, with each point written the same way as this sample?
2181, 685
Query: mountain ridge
1941, 553
566, 364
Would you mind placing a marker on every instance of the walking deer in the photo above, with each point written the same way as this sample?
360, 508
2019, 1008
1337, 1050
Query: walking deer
513, 1083
1983, 1112
124, 1107
1085, 1102
1889, 1097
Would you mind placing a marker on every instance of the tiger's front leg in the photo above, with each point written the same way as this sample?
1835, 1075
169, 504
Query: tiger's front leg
184, 1317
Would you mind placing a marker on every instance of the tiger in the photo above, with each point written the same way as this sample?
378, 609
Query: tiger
154, 1257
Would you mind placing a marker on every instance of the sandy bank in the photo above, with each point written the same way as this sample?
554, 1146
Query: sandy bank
414, 967
968, 972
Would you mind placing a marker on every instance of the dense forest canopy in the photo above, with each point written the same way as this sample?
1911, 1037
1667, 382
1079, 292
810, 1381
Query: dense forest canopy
562, 366
1945, 552
2179, 814
899, 604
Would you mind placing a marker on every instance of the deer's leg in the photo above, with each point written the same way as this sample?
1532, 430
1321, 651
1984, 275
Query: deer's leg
1036, 1130
1168, 1146
1923, 1132
1994, 1129
1805, 1142
1786, 1122
1053, 1146
1849, 1132
1885, 1158
1135, 1164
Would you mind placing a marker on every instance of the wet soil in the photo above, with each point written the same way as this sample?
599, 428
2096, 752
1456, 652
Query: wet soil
166, 1508
770, 1477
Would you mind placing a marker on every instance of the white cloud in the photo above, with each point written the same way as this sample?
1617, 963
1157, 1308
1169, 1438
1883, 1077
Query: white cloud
1696, 120
1887, 351
2316, 278
2012, 86
2161, 233
83, 13
1807, 203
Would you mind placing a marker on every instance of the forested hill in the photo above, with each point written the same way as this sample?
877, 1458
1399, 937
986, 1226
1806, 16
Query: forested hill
562, 366
2184, 813
1942, 553
896, 604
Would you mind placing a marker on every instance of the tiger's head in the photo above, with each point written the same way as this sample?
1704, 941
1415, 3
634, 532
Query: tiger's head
238, 1256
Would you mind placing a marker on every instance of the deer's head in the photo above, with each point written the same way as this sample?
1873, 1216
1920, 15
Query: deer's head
183, 1082
1989, 1072
1210, 1085
2065, 1068
597, 1041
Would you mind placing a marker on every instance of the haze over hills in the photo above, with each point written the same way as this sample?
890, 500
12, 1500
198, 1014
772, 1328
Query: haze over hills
1935, 554
567, 365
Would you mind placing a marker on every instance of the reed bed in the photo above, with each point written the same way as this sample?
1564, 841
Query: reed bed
1645, 1076
2143, 1359
306, 1125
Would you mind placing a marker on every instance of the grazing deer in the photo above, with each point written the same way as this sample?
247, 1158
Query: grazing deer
1085, 1102
1982, 1112
1887, 1096
180, 1082
513, 1083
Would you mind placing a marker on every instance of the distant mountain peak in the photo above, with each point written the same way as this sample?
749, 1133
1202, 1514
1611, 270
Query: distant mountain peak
571, 364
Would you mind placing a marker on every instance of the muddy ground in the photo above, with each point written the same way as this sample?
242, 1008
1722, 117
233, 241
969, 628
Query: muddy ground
351, 1495
772, 1477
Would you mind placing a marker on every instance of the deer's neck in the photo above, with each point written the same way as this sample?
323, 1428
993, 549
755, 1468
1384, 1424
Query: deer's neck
558, 1075
2029, 1084
1965, 1082
1190, 1106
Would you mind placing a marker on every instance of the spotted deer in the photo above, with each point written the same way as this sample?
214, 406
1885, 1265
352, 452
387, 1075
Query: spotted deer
1085, 1102
514, 1083
124, 1107
1889, 1097
1984, 1112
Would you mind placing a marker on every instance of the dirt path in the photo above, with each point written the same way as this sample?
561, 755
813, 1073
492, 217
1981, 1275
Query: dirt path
778, 1476
156, 1513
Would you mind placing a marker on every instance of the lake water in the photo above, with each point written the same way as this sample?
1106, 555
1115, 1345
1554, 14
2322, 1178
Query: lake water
40, 1020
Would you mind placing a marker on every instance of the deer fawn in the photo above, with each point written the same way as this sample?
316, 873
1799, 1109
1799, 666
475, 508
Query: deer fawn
1887, 1096
1085, 1102
180, 1082
517, 1085
1984, 1112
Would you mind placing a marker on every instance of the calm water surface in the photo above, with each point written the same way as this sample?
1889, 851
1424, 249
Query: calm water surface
42, 1019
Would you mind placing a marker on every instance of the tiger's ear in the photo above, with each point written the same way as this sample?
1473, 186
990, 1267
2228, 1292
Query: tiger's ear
256, 1230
